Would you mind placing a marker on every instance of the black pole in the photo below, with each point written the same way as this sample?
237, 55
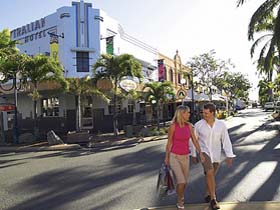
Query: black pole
192, 102
15, 127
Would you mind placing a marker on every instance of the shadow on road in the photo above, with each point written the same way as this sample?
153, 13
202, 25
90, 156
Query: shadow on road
60, 187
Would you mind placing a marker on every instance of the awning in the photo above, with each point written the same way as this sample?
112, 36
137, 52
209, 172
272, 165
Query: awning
217, 97
202, 97
196, 96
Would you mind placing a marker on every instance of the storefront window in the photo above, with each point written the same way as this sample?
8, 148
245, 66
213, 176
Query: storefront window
50, 107
130, 106
111, 108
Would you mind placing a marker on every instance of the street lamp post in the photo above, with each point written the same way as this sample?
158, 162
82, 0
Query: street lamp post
16, 87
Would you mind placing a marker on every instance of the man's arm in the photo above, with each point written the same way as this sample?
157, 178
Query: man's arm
227, 146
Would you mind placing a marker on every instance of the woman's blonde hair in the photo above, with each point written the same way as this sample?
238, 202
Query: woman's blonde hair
178, 114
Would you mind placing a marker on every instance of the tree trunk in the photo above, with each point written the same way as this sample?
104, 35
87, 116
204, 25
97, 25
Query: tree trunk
158, 115
78, 113
163, 108
270, 91
115, 114
134, 114
36, 130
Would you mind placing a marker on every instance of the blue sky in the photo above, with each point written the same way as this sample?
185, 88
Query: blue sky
191, 26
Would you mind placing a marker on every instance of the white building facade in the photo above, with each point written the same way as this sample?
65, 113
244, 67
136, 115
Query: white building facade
77, 35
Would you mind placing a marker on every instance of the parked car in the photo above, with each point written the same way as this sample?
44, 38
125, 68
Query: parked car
269, 106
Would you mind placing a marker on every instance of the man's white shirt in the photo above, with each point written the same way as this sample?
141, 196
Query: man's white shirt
213, 139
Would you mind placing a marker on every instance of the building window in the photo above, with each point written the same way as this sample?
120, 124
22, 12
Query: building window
111, 108
171, 75
50, 107
82, 61
179, 78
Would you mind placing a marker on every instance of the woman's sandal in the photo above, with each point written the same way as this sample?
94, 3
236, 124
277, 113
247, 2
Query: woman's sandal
181, 207
207, 198
214, 204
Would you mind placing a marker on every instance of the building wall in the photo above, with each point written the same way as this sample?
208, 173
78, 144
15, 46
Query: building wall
78, 28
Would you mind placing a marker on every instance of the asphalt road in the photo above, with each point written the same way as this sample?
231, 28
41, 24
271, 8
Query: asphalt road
125, 178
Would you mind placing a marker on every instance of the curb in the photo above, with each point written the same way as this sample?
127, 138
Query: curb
36, 148
127, 141
114, 143
256, 205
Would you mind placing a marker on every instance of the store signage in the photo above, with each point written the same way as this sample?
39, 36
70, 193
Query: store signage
34, 27
7, 107
128, 84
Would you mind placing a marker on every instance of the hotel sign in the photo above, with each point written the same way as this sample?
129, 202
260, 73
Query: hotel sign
29, 32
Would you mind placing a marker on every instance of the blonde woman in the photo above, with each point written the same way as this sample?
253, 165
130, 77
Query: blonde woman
177, 150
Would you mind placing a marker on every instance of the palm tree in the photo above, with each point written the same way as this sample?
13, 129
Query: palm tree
115, 68
264, 87
277, 86
7, 47
135, 96
40, 69
266, 19
157, 94
80, 87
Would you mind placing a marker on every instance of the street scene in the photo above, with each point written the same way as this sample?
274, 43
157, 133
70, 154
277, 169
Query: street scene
125, 177
139, 105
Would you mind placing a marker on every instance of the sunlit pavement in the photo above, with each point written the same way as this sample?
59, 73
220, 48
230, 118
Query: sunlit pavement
227, 206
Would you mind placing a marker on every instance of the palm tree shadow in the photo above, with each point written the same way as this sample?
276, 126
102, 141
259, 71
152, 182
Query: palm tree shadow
60, 188
249, 161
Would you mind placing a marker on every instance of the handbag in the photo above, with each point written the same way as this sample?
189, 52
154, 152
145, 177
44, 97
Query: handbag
165, 183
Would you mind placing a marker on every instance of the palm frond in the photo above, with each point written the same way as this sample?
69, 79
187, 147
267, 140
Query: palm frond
261, 15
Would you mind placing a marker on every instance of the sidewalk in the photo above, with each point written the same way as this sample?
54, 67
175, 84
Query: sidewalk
43, 146
265, 205
37, 147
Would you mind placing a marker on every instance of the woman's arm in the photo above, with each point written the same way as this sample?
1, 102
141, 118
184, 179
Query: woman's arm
196, 144
169, 143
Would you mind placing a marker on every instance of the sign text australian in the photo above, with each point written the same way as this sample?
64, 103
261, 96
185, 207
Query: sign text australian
30, 32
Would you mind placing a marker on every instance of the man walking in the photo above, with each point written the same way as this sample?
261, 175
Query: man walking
212, 136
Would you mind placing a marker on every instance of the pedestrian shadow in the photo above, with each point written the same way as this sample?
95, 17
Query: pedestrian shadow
249, 161
65, 188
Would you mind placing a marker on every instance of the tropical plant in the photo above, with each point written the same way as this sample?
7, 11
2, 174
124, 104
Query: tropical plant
114, 68
234, 84
82, 87
7, 47
207, 68
266, 19
157, 94
135, 96
41, 68
277, 86
264, 87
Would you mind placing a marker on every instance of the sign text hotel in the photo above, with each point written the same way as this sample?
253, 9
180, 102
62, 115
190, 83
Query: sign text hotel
36, 28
